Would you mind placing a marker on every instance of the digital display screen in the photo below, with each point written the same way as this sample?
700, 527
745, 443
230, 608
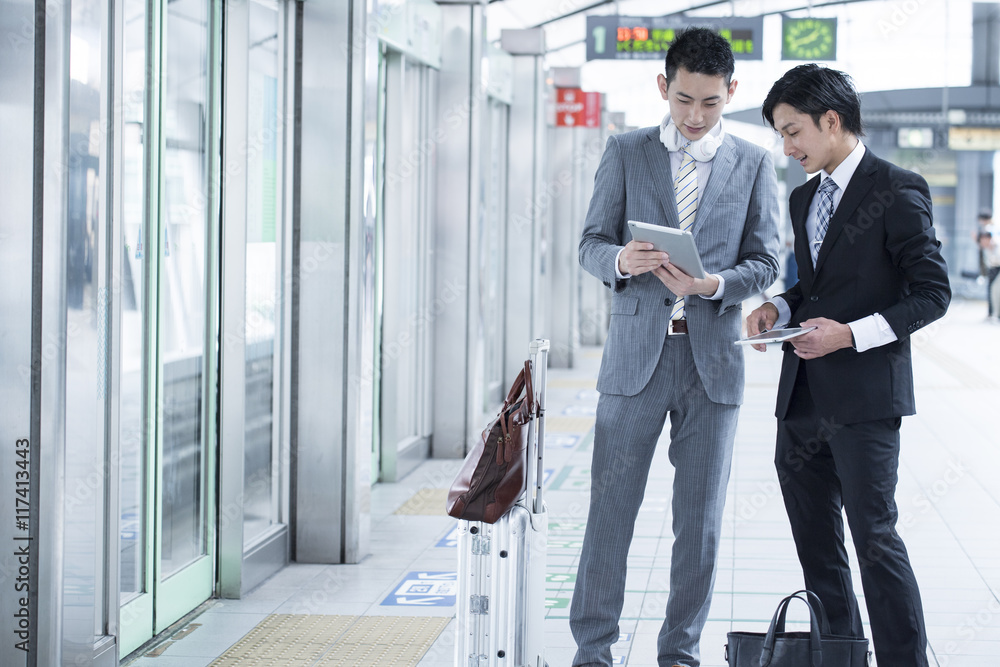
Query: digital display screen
649, 37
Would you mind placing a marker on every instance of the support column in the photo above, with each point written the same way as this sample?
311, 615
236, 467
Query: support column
458, 341
525, 214
332, 285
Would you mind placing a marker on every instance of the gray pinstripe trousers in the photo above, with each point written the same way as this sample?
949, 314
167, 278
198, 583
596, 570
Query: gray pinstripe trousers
701, 449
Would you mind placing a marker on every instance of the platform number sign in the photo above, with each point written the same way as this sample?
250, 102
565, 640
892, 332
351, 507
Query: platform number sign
600, 34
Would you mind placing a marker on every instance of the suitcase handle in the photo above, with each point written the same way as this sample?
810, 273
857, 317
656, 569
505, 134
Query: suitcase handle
538, 351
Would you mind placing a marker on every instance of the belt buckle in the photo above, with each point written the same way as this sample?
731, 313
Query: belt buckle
681, 327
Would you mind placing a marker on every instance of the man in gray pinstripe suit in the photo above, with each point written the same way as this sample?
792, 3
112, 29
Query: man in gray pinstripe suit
670, 345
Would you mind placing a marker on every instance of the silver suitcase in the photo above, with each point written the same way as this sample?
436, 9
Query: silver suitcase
501, 566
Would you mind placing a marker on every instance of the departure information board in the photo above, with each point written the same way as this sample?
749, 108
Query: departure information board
649, 37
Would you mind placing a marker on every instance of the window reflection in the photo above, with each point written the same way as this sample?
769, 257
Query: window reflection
262, 297
132, 437
182, 303
85, 344
491, 278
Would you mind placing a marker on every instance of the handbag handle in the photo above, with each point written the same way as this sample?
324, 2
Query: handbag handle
815, 647
816, 604
530, 395
521, 383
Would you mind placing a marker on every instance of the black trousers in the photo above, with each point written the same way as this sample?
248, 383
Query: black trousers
991, 276
823, 466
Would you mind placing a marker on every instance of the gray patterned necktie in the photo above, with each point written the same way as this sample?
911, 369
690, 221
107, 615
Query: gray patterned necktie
823, 214
686, 194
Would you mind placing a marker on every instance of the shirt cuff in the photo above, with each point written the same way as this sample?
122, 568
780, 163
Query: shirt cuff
784, 312
621, 276
871, 331
719, 293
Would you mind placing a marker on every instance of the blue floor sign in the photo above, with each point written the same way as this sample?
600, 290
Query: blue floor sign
424, 589
449, 540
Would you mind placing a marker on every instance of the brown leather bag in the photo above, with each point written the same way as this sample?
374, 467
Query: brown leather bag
493, 475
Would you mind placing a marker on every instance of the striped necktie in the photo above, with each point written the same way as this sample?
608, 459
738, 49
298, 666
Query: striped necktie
823, 214
686, 194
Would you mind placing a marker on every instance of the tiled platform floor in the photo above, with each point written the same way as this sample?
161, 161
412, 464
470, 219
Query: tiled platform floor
948, 495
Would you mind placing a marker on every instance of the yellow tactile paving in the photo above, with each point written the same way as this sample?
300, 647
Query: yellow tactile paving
425, 501
283, 640
400, 641
286, 639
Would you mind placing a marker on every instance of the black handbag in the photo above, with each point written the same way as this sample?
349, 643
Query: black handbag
816, 648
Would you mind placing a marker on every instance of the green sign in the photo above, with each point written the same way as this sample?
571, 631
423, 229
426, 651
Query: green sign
808, 39
614, 37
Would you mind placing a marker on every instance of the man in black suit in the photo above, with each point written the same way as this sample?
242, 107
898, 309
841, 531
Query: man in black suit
870, 274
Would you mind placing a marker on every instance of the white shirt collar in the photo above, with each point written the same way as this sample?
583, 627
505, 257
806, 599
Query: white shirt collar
845, 170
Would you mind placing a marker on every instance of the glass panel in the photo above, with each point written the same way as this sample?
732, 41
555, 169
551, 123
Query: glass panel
404, 336
377, 212
85, 342
183, 290
410, 337
491, 279
259, 511
132, 437
425, 276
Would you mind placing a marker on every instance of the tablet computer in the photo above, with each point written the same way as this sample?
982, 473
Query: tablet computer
774, 336
679, 245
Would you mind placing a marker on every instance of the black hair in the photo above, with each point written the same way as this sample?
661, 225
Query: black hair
700, 51
985, 214
814, 90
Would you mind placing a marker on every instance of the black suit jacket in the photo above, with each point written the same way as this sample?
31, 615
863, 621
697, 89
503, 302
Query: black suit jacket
880, 255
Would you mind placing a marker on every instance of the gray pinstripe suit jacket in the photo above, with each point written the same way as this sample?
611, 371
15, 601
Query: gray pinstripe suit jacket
735, 229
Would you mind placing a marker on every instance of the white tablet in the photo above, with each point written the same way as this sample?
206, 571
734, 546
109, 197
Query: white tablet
679, 245
774, 336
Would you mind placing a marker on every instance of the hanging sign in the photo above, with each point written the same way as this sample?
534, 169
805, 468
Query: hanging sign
808, 39
649, 37
575, 108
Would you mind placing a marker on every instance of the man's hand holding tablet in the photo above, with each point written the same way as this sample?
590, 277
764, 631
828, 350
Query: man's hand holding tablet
776, 336
761, 320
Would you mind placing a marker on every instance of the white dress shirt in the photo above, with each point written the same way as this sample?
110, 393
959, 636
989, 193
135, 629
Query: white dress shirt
873, 330
704, 170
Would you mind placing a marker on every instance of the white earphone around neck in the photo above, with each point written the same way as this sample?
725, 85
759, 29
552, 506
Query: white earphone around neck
701, 150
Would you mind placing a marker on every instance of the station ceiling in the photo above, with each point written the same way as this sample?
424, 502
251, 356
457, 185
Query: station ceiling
883, 44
